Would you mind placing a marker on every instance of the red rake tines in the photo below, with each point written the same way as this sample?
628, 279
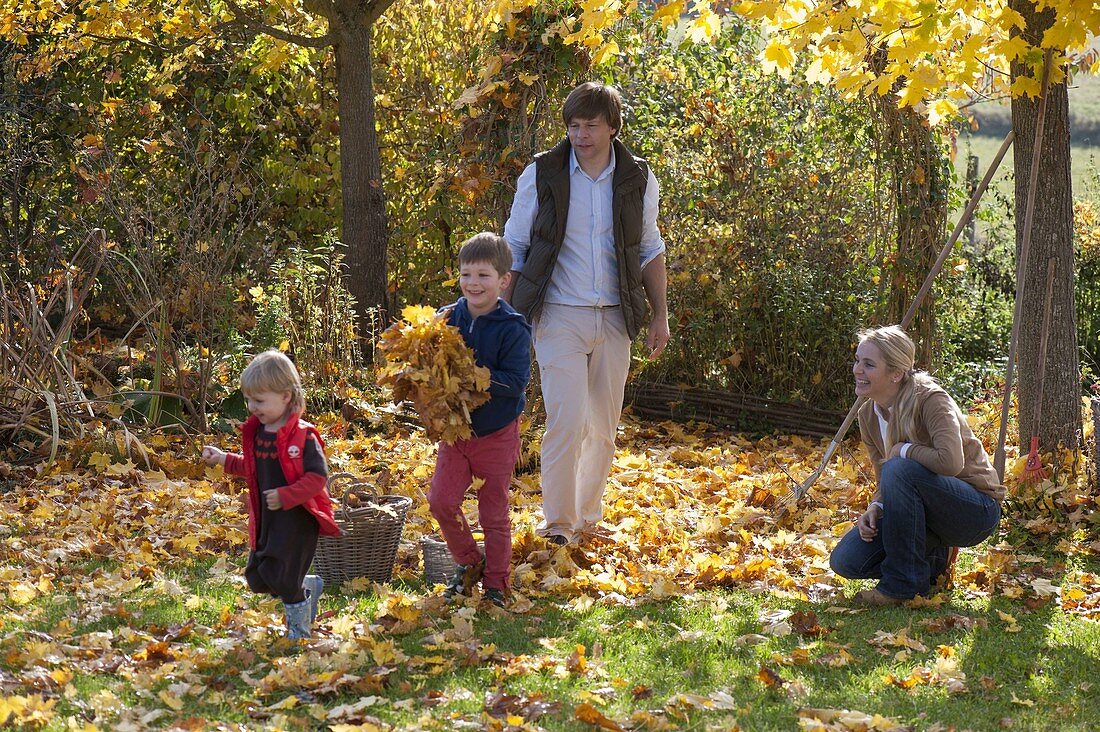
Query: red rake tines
1034, 470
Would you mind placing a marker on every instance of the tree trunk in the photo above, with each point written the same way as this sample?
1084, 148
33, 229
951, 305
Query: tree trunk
365, 230
920, 186
1058, 420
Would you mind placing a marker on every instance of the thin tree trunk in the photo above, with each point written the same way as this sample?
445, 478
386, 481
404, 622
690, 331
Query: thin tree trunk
365, 230
920, 188
920, 193
1059, 419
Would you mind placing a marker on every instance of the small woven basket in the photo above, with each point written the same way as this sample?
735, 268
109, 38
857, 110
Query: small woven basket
372, 526
439, 565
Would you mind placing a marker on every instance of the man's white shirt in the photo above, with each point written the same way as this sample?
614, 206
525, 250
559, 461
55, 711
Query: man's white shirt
586, 272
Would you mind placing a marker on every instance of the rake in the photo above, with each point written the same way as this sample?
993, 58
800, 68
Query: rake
798, 492
1034, 470
1021, 269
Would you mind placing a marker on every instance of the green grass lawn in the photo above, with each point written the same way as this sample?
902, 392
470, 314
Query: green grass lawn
125, 609
720, 659
994, 119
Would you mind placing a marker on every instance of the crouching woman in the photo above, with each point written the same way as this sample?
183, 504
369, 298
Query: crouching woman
937, 489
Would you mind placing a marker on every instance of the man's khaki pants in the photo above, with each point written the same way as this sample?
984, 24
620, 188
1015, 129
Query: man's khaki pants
583, 355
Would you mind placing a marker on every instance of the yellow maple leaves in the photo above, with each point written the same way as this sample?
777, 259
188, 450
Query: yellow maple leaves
428, 364
932, 54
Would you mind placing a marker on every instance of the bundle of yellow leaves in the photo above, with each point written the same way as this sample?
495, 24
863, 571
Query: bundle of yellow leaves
428, 364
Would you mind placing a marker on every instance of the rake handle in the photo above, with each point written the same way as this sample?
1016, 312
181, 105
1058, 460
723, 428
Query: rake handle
805, 485
945, 252
1047, 307
1021, 267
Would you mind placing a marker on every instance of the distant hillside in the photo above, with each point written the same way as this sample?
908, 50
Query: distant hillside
995, 118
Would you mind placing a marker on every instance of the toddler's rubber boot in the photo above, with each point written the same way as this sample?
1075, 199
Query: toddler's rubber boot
314, 585
297, 620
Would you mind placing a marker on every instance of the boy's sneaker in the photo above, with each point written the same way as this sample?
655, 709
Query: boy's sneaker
495, 596
465, 577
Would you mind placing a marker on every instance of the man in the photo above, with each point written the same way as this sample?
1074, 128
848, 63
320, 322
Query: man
587, 257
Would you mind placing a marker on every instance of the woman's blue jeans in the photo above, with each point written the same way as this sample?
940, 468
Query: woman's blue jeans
923, 514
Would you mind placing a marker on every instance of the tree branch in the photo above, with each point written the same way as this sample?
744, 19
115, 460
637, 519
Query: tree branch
124, 39
325, 8
254, 25
375, 8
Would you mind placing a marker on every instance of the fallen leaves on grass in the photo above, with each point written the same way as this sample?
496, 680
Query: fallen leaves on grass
687, 510
845, 720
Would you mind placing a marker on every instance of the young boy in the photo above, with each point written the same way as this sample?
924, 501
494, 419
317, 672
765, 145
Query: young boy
283, 462
501, 340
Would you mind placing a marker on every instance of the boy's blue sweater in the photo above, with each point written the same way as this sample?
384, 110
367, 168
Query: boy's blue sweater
501, 340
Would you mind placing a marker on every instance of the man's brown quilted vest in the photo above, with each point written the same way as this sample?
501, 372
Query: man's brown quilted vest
628, 184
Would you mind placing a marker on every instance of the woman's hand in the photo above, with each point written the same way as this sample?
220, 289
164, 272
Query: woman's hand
868, 522
895, 451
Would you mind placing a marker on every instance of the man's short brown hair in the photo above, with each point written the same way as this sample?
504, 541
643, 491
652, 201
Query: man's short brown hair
592, 100
487, 247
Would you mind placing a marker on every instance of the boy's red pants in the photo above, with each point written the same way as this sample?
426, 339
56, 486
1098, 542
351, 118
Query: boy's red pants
491, 458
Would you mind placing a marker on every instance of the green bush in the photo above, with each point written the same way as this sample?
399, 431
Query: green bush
769, 213
305, 309
1086, 225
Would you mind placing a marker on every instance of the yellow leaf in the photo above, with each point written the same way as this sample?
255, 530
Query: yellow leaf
171, 700
418, 314
607, 52
99, 460
669, 13
22, 593
1025, 86
942, 110
120, 468
704, 27
288, 703
920, 82
1066, 33
778, 58
1013, 48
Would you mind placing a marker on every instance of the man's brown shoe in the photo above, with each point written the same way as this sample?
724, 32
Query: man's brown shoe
874, 598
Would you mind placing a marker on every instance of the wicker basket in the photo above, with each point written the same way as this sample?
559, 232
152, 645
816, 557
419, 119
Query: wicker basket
372, 526
439, 565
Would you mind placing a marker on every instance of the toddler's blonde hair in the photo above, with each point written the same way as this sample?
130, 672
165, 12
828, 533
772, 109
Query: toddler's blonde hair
273, 371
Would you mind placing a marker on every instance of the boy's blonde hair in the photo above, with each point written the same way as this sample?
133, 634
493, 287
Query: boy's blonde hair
487, 247
273, 371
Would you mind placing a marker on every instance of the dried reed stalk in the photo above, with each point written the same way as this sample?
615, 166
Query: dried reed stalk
40, 391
